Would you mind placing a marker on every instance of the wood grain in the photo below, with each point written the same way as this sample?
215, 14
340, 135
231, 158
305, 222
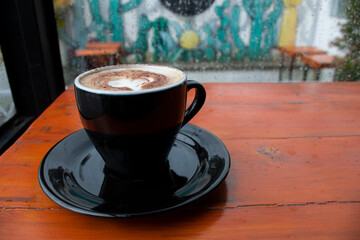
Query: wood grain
327, 221
295, 170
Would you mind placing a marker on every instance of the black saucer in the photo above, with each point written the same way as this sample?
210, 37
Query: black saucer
74, 176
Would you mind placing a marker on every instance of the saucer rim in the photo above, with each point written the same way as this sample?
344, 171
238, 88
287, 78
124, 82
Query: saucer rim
78, 209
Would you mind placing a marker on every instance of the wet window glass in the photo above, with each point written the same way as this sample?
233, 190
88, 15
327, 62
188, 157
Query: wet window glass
213, 40
7, 106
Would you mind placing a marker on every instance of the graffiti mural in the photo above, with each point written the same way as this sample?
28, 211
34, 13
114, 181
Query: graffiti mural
176, 37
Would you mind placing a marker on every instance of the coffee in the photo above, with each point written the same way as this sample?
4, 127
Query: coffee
131, 78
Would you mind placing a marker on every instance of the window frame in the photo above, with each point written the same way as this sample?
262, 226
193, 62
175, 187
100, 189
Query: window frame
29, 39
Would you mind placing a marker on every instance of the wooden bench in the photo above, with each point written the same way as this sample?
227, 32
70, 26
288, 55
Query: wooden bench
294, 52
317, 62
99, 54
105, 45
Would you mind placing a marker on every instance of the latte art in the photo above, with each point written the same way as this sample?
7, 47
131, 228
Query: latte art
130, 79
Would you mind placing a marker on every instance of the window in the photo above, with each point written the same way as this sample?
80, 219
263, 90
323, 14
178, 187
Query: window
30, 51
7, 106
210, 40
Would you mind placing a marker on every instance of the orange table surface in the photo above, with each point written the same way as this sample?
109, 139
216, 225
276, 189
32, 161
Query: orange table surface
295, 173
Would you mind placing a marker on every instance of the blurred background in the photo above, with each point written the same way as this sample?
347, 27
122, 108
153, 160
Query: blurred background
222, 38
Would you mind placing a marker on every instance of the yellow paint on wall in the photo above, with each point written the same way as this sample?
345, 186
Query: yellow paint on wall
289, 23
291, 3
189, 40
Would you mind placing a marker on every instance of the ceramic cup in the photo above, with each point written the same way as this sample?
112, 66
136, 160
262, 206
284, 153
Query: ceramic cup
134, 130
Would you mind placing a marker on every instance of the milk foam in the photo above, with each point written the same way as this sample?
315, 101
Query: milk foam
134, 85
131, 78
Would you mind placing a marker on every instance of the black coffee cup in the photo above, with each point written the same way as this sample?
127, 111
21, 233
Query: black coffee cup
134, 130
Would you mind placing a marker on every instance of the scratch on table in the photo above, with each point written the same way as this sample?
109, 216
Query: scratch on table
271, 152
14, 199
45, 129
286, 204
296, 102
29, 208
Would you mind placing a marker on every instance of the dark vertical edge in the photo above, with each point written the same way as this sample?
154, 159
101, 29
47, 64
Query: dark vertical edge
46, 22
30, 48
31, 53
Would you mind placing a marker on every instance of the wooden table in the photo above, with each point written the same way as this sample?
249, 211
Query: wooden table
317, 62
294, 52
98, 54
295, 174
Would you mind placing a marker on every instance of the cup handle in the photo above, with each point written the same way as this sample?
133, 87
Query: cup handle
198, 102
